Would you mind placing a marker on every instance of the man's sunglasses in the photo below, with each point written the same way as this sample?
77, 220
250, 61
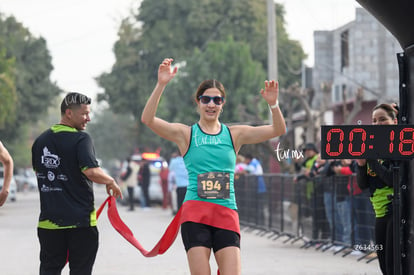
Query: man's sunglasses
218, 100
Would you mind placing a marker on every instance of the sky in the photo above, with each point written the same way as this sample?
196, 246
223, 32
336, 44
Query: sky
80, 34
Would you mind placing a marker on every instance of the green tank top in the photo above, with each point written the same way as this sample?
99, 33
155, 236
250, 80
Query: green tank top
210, 153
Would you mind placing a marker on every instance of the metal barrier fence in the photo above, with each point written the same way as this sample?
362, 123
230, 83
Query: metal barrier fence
326, 212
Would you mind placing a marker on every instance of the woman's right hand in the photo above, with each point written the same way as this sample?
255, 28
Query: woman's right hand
164, 71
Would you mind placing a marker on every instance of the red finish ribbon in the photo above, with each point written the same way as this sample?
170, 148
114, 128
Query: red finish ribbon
194, 211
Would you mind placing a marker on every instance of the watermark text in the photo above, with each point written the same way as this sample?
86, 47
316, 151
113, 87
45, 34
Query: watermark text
282, 154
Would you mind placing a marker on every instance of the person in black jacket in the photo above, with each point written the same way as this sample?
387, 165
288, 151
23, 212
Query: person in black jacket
376, 174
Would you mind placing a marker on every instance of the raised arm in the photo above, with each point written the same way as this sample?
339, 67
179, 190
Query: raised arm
7, 162
174, 132
244, 134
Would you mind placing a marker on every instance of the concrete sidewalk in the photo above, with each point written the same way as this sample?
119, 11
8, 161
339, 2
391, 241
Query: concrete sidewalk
260, 255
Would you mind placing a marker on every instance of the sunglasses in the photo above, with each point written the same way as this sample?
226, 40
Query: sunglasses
218, 100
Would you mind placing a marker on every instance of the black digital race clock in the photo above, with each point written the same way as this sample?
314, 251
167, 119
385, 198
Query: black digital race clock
367, 142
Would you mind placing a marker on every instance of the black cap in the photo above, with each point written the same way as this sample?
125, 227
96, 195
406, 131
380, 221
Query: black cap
310, 146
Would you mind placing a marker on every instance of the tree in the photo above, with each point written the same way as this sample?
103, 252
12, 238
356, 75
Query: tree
114, 136
7, 88
242, 81
25, 87
184, 29
33, 66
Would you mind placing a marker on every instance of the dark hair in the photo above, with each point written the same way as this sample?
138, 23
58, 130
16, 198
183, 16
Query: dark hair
207, 84
310, 146
392, 111
74, 100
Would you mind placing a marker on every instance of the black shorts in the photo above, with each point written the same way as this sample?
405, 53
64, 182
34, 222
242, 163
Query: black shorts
198, 234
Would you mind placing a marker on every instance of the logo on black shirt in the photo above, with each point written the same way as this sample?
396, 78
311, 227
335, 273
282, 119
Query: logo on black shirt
50, 160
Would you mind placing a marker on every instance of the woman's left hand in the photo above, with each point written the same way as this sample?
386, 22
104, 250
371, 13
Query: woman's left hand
271, 92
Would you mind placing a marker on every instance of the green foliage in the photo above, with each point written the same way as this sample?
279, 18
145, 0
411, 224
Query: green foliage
219, 39
20, 147
242, 80
7, 89
33, 66
25, 87
120, 130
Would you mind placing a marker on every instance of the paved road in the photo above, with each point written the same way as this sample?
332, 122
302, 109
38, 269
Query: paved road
19, 247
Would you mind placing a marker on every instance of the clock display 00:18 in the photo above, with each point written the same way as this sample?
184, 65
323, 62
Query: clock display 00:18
367, 142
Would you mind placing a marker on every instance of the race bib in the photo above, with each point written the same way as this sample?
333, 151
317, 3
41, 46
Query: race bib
213, 185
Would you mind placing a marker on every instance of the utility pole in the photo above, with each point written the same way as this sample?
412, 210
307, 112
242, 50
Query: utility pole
272, 68
271, 41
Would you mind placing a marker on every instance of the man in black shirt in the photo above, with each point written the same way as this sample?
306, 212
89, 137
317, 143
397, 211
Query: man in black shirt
64, 160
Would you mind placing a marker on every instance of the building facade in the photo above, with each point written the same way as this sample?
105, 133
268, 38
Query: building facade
359, 55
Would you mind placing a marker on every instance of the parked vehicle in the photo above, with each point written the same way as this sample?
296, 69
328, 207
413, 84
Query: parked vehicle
26, 180
13, 187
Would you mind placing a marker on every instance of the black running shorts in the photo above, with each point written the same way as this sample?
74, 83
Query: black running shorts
198, 234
